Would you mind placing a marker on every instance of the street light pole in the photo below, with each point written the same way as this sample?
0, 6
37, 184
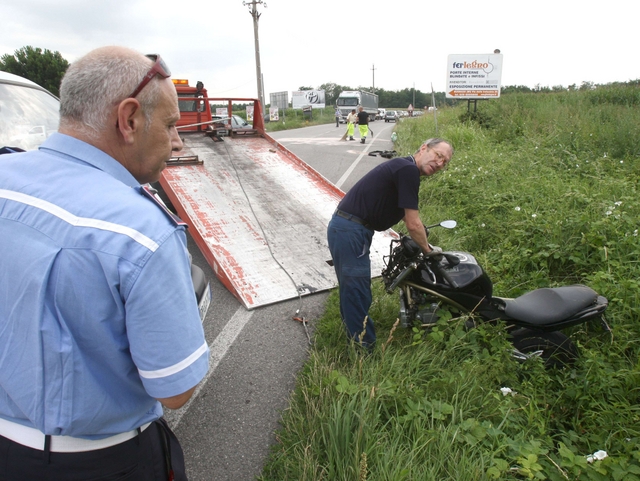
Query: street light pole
373, 69
253, 10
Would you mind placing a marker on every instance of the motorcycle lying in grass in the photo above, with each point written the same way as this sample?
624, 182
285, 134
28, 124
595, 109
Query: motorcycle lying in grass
533, 320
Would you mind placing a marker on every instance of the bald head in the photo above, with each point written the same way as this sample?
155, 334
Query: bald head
94, 84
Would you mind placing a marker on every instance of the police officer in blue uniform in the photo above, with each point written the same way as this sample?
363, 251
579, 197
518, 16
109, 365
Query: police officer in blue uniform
99, 325
378, 201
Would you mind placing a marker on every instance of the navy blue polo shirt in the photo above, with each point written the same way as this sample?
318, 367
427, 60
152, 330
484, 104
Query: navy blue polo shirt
381, 196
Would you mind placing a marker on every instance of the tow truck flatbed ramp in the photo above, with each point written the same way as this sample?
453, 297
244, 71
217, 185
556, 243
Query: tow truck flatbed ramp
259, 215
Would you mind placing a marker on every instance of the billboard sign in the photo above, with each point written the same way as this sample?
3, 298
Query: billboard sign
305, 98
279, 100
474, 76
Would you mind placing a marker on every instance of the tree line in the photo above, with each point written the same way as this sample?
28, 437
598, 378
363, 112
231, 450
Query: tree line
387, 98
44, 67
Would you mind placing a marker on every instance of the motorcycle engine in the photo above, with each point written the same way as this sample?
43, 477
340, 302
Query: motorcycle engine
423, 312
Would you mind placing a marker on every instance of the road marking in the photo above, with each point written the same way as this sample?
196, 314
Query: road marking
347, 173
217, 351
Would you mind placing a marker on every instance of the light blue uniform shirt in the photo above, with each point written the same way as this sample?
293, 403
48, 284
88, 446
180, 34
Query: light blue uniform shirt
97, 311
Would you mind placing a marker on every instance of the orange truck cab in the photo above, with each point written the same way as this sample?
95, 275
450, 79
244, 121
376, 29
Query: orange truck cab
195, 109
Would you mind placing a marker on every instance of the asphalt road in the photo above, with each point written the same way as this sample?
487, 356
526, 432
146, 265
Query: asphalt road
342, 163
228, 426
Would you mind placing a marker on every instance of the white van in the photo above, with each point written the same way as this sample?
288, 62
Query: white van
28, 112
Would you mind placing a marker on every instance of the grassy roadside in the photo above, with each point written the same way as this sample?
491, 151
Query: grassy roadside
544, 189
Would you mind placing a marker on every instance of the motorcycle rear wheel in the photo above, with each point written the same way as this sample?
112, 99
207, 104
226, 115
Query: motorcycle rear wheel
556, 349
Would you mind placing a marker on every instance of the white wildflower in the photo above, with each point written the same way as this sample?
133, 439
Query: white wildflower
482, 225
517, 209
608, 212
618, 202
622, 161
635, 233
597, 456
534, 215
600, 455
506, 391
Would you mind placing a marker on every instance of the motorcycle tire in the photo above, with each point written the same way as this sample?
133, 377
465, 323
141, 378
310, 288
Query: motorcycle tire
558, 351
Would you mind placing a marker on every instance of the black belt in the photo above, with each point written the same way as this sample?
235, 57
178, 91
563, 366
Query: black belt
352, 218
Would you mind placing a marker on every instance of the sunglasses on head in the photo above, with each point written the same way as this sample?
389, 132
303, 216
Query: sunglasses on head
158, 68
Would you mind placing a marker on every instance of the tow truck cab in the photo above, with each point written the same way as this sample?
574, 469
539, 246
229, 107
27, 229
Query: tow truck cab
195, 110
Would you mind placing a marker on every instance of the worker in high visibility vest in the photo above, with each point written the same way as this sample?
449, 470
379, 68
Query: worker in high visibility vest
363, 124
351, 124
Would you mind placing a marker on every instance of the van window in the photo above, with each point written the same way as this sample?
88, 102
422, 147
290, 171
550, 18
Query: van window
27, 116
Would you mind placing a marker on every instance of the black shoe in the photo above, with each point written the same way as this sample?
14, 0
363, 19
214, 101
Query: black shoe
351, 138
362, 141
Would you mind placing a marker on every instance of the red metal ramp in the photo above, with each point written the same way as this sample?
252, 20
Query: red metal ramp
259, 215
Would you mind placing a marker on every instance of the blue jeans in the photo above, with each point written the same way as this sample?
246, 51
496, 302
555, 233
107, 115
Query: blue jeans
349, 245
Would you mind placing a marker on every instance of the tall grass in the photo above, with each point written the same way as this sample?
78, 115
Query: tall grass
544, 189
293, 119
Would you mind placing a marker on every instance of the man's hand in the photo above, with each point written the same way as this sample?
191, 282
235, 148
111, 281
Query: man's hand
436, 249
416, 229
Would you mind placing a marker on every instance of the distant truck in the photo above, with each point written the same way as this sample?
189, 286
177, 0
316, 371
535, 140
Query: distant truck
349, 100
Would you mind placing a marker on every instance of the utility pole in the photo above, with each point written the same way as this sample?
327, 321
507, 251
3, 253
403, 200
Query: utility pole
373, 69
253, 10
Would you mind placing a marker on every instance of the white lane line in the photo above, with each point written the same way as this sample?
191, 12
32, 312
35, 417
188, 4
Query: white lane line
347, 173
217, 350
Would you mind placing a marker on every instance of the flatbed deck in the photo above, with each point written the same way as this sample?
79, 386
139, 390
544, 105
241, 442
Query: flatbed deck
259, 215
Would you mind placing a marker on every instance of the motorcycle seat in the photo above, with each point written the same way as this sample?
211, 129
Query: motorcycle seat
550, 305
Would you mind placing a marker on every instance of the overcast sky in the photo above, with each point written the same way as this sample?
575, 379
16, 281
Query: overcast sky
304, 43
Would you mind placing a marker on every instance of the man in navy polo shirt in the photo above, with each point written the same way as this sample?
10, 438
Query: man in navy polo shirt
378, 201
99, 325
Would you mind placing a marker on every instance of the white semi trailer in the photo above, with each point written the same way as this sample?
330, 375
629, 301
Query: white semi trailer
349, 100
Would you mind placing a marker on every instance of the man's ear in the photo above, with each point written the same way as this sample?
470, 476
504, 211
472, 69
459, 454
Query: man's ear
130, 119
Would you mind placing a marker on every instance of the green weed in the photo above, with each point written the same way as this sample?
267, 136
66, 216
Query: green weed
544, 189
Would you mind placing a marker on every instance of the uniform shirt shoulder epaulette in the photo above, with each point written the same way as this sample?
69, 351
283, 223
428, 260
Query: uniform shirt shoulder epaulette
152, 194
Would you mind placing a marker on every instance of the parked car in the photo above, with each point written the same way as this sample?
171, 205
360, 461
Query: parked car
235, 121
391, 115
28, 113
